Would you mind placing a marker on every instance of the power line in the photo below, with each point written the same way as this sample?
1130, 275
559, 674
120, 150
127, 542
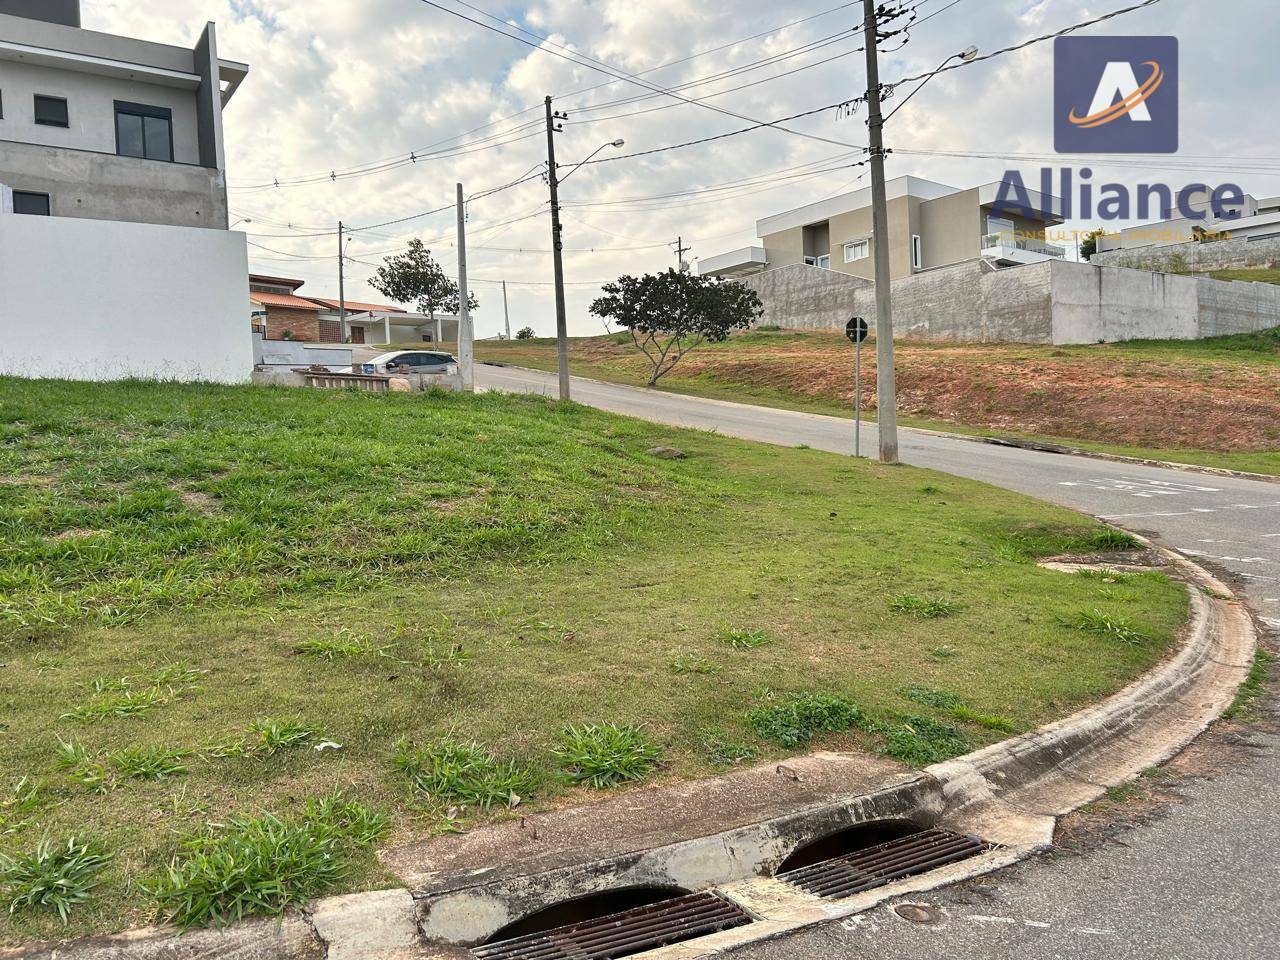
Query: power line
393, 162
1025, 43
602, 67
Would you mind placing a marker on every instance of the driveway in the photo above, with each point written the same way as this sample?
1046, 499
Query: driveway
1198, 881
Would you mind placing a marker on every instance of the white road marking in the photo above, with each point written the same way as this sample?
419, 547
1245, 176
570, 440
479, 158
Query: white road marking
1135, 516
1200, 553
1271, 622
1268, 536
1039, 925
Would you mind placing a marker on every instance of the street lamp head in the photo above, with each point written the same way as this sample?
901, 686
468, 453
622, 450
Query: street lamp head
969, 54
618, 143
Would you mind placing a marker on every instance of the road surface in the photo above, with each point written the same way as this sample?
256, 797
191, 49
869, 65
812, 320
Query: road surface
1201, 882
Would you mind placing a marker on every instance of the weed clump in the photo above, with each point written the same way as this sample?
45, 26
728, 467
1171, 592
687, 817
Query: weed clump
606, 754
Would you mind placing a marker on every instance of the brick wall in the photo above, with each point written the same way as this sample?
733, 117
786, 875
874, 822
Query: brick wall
304, 324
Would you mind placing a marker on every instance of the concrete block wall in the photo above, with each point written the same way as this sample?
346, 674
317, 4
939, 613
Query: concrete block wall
969, 302
1235, 307
1052, 302
1094, 304
1237, 254
798, 296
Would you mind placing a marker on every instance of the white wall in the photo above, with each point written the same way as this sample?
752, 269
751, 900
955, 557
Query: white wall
103, 300
90, 109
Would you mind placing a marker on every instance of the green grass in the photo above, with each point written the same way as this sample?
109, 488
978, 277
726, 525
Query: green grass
54, 877
738, 638
923, 608
803, 716
516, 567
606, 754
1253, 687
450, 772
263, 864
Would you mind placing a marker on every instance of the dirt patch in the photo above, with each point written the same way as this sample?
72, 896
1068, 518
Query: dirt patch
77, 534
201, 503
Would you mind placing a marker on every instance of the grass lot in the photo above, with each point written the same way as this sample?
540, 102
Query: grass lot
233, 601
1107, 397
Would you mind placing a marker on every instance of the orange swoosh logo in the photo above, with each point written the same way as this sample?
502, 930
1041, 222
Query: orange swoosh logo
1122, 107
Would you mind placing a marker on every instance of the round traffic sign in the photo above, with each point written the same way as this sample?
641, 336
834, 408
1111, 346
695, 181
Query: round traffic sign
856, 329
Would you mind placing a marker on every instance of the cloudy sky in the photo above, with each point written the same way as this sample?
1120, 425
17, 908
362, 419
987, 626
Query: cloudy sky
342, 85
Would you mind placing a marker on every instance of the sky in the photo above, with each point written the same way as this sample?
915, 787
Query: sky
338, 86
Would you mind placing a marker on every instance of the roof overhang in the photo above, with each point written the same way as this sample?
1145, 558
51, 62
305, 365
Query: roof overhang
744, 260
99, 66
233, 72
1047, 206
849, 202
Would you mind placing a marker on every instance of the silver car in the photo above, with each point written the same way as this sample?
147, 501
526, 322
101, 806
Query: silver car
417, 361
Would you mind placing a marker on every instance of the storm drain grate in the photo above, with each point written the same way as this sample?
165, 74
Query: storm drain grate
625, 933
876, 866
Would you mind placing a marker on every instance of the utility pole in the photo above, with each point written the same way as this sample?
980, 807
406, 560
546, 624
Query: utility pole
506, 313
466, 347
342, 289
886, 390
681, 250
557, 247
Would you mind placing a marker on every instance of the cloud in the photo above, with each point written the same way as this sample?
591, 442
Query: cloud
335, 84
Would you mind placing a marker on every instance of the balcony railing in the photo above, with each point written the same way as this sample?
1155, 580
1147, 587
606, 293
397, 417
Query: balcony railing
1012, 242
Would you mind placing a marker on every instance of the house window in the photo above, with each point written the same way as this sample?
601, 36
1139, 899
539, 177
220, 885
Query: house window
35, 204
917, 251
52, 111
143, 131
857, 250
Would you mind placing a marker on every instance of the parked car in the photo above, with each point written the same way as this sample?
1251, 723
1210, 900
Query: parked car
418, 361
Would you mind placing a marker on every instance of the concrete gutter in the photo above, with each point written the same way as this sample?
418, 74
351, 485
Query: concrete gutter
730, 833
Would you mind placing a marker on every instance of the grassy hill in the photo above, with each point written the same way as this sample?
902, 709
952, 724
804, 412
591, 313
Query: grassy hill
220, 602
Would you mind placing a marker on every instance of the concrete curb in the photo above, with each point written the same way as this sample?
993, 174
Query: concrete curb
1036, 445
1011, 793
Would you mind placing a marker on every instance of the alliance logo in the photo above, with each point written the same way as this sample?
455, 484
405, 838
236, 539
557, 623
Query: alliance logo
1101, 105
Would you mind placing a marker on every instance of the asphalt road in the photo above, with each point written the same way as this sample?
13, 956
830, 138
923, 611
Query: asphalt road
1200, 882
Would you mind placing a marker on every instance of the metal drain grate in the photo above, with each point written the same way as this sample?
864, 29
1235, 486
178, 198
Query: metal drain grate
625, 933
879, 865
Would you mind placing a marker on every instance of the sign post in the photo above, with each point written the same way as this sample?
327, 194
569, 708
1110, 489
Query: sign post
856, 330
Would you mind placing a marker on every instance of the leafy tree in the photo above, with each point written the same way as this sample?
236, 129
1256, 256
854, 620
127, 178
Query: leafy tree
1089, 245
525, 333
415, 277
669, 314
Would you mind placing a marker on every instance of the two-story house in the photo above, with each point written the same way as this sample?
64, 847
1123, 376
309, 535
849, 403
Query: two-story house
105, 127
930, 225
113, 179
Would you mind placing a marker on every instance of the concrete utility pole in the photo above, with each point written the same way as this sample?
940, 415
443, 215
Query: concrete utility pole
681, 250
466, 346
506, 313
342, 289
886, 389
557, 247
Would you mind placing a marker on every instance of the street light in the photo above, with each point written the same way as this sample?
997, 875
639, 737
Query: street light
968, 55
617, 144
238, 222
557, 245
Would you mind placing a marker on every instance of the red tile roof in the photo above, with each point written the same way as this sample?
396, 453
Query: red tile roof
355, 306
283, 300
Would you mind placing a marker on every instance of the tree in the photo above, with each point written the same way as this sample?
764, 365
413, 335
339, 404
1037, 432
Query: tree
415, 277
1089, 245
669, 314
525, 333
